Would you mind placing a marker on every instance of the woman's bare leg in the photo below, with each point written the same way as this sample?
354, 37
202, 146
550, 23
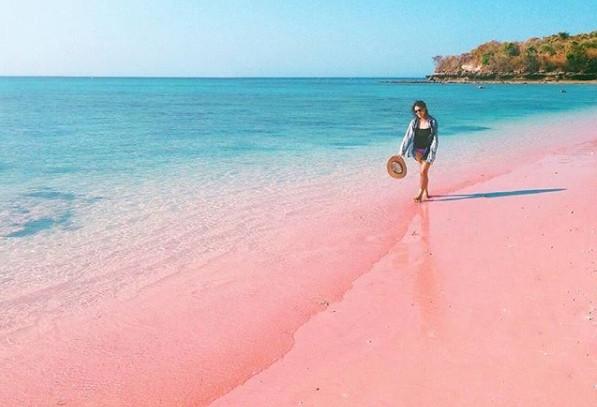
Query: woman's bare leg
425, 179
419, 196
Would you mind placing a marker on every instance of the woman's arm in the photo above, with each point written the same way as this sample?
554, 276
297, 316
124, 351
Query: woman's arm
406, 139
433, 146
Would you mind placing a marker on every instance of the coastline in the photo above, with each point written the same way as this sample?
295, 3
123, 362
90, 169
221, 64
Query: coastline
521, 81
498, 76
477, 81
185, 339
502, 315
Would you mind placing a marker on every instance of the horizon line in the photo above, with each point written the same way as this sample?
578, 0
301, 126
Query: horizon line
208, 77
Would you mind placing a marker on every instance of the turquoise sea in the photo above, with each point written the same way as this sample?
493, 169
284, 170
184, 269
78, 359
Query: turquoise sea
71, 128
68, 140
108, 185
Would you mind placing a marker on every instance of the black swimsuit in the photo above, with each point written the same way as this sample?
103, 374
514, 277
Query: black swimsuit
422, 138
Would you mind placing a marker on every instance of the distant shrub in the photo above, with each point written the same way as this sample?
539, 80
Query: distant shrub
560, 52
511, 49
547, 49
576, 59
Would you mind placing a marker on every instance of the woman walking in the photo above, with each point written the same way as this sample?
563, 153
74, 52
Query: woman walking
420, 142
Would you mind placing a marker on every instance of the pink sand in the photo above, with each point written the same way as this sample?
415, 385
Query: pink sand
485, 301
377, 302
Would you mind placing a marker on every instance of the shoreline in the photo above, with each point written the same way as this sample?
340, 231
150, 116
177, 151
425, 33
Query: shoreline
264, 298
507, 319
523, 82
493, 81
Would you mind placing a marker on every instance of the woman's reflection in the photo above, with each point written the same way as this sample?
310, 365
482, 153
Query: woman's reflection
427, 293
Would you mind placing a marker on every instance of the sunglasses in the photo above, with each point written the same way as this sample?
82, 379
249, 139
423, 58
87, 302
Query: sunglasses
419, 110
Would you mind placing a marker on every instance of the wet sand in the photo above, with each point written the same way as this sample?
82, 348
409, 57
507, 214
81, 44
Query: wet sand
489, 299
483, 296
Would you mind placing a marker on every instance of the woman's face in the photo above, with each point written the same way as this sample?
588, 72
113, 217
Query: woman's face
420, 111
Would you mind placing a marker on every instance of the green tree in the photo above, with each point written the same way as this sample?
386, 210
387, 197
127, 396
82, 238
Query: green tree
576, 58
557, 52
511, 49
547, 49
530, 62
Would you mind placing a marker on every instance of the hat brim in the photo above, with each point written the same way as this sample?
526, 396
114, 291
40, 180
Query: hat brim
396, 167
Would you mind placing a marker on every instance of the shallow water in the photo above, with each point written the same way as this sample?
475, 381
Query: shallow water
108, 184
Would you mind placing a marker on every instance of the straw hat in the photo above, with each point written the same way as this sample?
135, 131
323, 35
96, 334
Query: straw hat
396, 166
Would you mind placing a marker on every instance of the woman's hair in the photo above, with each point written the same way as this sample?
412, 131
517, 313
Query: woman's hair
421, 104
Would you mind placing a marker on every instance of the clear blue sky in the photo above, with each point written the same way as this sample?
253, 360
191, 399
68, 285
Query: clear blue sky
265, 37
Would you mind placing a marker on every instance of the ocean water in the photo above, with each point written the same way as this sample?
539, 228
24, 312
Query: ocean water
102, 179
64, 130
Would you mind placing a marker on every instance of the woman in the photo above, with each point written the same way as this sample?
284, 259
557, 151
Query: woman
420, 142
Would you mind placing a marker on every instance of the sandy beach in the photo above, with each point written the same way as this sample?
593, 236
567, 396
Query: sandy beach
489, 299
199, 204
483, 296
